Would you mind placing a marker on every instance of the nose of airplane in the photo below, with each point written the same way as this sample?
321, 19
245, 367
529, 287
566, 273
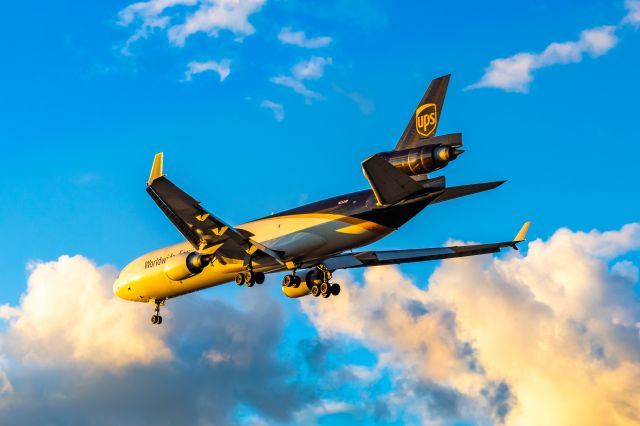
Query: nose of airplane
116, 287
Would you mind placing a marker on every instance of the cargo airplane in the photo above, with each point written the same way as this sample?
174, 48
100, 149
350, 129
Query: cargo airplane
309, 242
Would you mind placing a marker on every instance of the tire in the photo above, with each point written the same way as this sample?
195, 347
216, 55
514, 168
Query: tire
287, 281
154, 319
249, 278
324, 288
335, 289
259, 277
297, 281
315, 290
159, 320
240, 279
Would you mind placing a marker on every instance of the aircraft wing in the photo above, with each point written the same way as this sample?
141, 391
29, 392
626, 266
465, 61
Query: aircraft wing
205, 232
393, 257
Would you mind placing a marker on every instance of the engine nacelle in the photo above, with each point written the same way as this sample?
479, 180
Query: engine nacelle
309, 278
295, 292
425, 159
186, 265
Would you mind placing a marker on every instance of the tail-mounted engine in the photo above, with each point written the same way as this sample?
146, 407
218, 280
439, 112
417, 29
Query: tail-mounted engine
186, 265
422, 160
431, 155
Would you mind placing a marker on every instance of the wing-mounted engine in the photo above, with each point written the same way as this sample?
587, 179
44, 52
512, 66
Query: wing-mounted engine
186, 265
313, 282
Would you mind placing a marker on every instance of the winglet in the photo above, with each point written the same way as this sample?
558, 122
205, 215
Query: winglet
156, 169
522, 234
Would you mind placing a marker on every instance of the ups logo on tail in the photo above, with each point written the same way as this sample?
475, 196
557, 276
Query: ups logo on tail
426, 119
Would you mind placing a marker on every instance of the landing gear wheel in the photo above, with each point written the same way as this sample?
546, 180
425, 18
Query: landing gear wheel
315, 290
259, 277
156, 318
250, 278
287, 281
240, 278
324, 290
296, 281
335, 289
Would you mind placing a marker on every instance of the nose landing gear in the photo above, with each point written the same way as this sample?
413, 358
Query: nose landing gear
156, 318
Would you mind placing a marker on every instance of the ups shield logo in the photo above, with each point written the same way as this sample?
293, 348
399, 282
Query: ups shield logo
426, 119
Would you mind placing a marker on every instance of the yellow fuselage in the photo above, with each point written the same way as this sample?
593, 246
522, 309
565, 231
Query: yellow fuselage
299, 237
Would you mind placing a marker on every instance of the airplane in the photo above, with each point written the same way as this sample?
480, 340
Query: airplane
309, 242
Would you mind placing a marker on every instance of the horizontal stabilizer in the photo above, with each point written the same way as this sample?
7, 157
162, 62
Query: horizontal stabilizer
389, 184
432, 185
461, 191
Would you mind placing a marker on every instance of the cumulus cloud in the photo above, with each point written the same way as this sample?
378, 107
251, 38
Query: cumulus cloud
548, 338
69, 315
276, 108
222, 68
206, 16
76, 355
515, 73
633, 13
313, 69
299, 38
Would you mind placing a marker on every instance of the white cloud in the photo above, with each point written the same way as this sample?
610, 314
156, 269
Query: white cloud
299, 38
313, 69
276, 108
222, 68
548, 338
215, 15
209, 16
297, 86
515, 73
149, 14
73, 352
69, 314
633, 13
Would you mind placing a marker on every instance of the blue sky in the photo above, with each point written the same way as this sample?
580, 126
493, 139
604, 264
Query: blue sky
84, 110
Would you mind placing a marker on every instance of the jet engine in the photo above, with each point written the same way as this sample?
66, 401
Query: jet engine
309, 279
186, 265
425, 159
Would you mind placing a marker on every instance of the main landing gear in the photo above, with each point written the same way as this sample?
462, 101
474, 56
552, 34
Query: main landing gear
317, 280
250, 278
291, 280
156, 318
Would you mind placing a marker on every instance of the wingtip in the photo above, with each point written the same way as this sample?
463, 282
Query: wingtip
522, 234
156, 168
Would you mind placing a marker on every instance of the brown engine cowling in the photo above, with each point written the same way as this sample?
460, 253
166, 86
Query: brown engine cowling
425, 159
